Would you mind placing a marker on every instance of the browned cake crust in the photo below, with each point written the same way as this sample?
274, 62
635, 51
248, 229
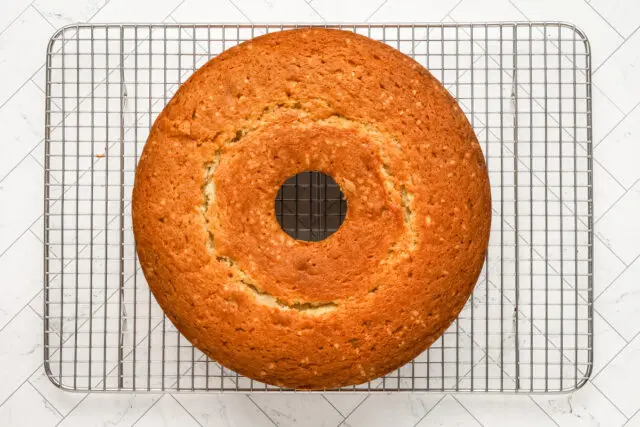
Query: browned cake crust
358, 304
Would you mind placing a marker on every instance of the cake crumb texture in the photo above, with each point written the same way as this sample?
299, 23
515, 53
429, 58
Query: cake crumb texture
373, 295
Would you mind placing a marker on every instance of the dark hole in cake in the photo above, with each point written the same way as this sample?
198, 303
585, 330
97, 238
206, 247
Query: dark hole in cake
310, 206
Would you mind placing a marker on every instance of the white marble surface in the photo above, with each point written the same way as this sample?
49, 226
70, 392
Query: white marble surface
610, 399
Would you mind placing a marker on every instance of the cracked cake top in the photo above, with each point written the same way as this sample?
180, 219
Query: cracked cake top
370, 297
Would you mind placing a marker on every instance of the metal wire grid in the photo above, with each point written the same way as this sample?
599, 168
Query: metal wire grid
526, 89
310, 206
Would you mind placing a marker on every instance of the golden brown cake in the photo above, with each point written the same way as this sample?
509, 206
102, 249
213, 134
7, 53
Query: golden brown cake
370, 297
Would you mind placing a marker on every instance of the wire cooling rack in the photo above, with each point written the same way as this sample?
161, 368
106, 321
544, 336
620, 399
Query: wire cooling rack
525, 87
310, 206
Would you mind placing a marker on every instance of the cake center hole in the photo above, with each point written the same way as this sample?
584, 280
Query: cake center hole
310, 206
